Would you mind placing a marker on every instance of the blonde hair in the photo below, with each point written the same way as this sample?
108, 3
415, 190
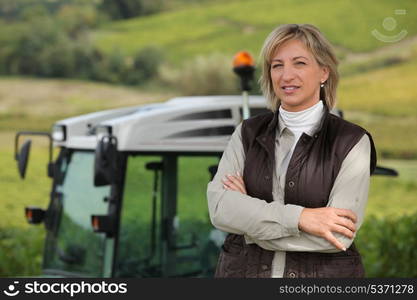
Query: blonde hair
316, 43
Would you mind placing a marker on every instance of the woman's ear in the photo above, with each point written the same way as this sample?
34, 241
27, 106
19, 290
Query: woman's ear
325, 74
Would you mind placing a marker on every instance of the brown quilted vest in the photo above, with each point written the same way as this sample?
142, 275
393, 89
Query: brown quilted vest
312, 170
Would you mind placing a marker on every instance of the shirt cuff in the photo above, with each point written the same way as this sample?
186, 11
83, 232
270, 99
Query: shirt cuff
292, 217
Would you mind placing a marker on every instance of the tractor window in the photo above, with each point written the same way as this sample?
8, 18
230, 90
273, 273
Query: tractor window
72, 246
197, 240
139, 236
165, 229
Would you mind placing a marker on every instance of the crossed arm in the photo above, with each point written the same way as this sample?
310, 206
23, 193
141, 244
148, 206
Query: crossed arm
275, 226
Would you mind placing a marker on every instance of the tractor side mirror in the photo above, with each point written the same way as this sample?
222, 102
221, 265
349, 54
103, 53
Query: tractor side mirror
105, 161
385, 171
22, 158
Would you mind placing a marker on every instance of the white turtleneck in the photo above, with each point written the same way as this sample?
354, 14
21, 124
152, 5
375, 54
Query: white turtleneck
298, 122
302, 121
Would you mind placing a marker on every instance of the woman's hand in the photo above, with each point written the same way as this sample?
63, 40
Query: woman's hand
234, 183
325, 220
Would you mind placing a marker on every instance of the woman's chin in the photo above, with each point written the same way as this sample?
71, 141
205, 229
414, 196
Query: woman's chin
291, 103
296, 103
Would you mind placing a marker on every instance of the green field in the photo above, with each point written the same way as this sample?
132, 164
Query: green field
384, 102
244, 25
390, 91
28, 103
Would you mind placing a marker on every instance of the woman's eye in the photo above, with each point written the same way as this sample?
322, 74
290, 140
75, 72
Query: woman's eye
300, 63
277, 66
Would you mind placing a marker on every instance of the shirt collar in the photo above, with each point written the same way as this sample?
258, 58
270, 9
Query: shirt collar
280, 126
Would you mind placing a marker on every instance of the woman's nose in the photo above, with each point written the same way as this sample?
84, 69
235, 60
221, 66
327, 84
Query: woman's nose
287, 73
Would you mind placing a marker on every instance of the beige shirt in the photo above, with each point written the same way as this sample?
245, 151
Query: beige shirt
274, 226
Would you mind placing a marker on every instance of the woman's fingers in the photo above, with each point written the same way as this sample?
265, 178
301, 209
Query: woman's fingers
343, 230
232, 185
324, 222
235, 183
341, 212
347, 223
333, 240
239, 179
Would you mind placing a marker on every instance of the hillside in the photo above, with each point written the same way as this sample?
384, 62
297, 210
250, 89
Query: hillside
35, 104
230, 26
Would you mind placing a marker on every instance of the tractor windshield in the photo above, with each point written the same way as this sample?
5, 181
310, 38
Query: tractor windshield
72, 248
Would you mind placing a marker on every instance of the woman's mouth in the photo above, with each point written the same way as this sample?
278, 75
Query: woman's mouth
290, 89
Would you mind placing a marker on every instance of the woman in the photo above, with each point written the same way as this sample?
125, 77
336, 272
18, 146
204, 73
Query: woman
292, 185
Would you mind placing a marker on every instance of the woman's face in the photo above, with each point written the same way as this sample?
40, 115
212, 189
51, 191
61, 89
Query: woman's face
296, 76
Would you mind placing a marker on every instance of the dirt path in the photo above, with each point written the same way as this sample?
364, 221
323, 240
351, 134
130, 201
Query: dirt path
404, 47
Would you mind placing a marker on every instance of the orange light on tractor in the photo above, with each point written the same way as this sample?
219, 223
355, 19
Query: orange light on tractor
34, 215
95, 223
244, 67
243, 58
104, 223
29, 215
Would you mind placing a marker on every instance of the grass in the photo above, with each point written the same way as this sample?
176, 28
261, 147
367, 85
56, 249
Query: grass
393, 136
388, 55
188, 32
35, 104
390, 91
394, 196
16, 194
384, 102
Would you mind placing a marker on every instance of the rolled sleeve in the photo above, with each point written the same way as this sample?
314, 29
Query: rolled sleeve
292, 215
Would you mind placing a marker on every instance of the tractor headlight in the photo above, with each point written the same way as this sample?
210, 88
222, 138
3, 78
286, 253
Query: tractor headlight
59, 133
